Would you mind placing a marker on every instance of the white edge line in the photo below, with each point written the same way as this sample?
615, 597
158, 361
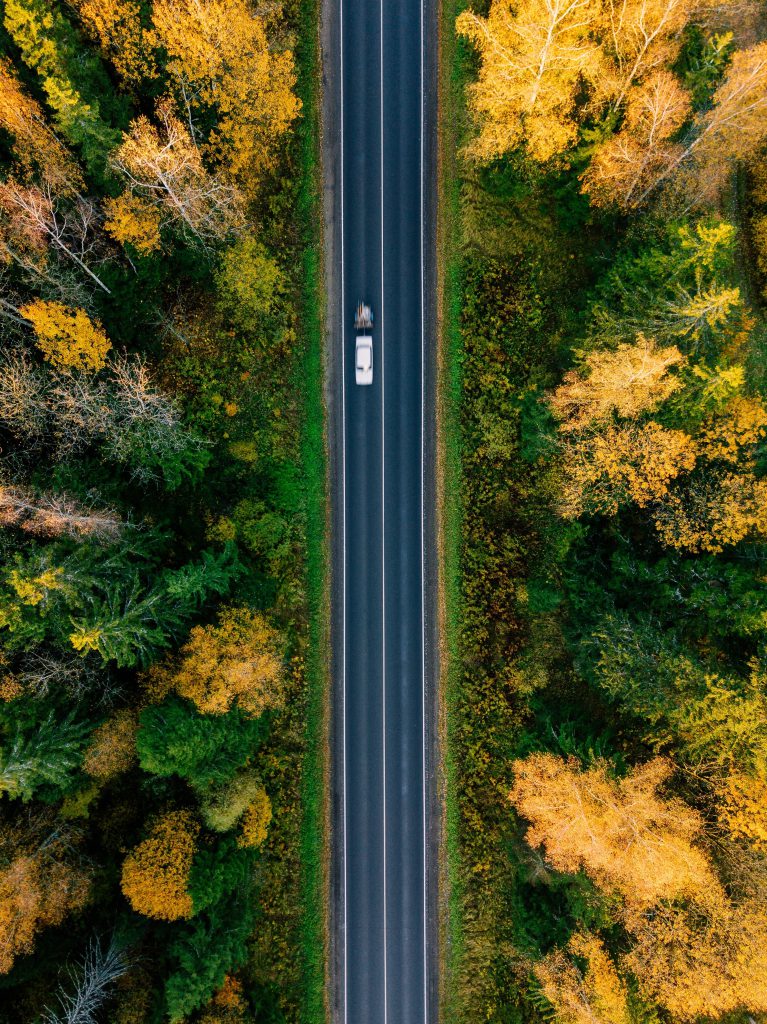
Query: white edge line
423, 545
343, 516
383, 511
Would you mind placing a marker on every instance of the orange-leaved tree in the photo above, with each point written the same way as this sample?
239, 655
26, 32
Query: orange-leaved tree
40, 885
594, 995
235, 662
620, 831
155, 874
117, 26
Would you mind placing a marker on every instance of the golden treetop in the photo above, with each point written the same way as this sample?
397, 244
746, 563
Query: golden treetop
621, 832
596, 995
67, 337
628, 380
234, 662
155, 874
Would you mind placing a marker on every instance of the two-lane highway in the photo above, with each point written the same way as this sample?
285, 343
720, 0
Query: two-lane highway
379, 69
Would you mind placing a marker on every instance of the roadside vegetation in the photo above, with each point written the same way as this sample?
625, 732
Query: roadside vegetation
162, 562
605, 416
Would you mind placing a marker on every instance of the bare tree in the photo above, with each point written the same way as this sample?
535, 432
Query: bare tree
89, 984
55, 515
164, 165
35, 217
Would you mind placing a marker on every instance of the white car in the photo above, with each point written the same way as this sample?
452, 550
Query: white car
363, 359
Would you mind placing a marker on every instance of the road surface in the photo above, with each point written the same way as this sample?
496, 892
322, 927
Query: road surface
379, 155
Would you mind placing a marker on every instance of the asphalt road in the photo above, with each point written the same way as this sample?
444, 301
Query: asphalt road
381, 128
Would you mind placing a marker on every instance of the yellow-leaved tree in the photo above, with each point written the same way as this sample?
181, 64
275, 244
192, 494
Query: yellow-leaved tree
36, 150
155, 874
68, 338
220, 56
535, 55
596, 995
622, 463
164, 169
134, 219
627, 380
627, 837
235, 662
112, 749
701, 959
117, 26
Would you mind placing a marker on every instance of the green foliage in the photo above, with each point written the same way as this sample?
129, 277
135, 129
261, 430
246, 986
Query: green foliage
204, 951
39, 756
206, 750
72, 79
248, 284
219, 870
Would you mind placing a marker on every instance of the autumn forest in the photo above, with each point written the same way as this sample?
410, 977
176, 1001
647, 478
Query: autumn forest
603, 460
606, 416
157, 460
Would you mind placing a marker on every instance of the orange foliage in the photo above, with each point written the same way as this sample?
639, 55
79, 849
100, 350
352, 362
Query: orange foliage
112, 749
36, 149
628, 380
739, 427
68, 338
228, 1005
596, 996
37, 891
236, 661
619, 831
701, 961
155, 874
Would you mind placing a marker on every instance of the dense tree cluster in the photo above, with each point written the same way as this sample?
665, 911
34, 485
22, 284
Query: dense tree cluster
610, 699
153, 611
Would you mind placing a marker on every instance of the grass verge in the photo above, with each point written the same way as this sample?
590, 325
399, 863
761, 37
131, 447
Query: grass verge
452, 78
315, 769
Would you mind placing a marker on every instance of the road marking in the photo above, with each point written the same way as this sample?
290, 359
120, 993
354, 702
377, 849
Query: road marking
423, 546
343, 518
383, 513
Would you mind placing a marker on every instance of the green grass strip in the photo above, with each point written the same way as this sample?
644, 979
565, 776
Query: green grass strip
314, 776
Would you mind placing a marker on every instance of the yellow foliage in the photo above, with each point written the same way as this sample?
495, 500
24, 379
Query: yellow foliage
155, 874
35, 590
36, 147
623, 462
535, 55
726, 436
714, 513
37, 891
629, 162
619, 831
255, 821
742, 808
133, 219
628, 380
701, 961
236, 661
117, 26
112, 749
67, 337
220, 51
596, 996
